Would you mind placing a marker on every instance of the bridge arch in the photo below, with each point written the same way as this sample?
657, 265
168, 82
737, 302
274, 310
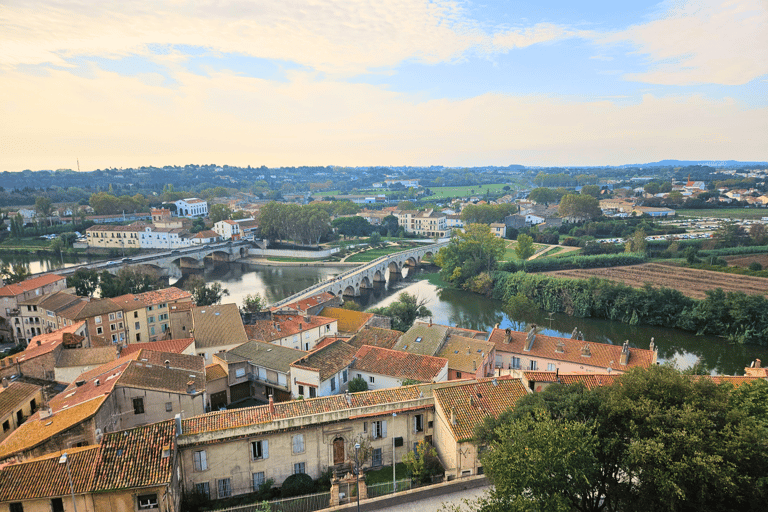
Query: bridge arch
365, 283
394, 266
412, 261
219, 255
379, 276
350, 291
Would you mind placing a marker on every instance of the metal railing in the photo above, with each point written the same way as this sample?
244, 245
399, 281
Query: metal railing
306, 503
381, 489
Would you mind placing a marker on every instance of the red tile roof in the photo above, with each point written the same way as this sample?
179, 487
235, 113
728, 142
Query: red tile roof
176, 346
165, 295
376, 337
348, 320
214, 372
48, 342
16, 394
304, 304
223, 420
12, 290
602, 355
590, 380
470, 403
400, 365
284, 325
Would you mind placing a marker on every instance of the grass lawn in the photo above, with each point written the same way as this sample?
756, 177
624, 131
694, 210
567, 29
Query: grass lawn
725, 213
445, 192
435, 279
510, 254
384, 474
373, 254
31, 243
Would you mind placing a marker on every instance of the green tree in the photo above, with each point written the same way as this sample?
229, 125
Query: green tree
85, 282
352, 226
17, 226
206, 294
591, 190
219, 212
637, 242
652, 188
524, 247
404, 311
543, 195
253, 303
14, 273
469, 253
422, 463
579, 207
406, 205
374, 239
357, 384
729, 234
129, 280
43, 208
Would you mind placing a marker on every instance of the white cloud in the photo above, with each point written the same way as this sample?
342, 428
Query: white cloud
340, 37
130, 121
694, 42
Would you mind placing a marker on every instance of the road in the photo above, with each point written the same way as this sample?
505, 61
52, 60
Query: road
436, 503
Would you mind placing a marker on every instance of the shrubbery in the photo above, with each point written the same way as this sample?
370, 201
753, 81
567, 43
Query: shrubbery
297, 485
550, 264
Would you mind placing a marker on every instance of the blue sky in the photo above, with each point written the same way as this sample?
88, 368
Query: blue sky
403, 82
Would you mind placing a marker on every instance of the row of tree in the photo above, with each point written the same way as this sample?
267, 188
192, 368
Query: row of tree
305, 225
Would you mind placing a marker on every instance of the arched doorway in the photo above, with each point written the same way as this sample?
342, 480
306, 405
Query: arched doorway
338, 451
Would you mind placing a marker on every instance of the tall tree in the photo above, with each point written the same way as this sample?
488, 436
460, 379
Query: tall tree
579, 207
524, 247
219, 212
469, 253
85, 281
43, 208
404, 311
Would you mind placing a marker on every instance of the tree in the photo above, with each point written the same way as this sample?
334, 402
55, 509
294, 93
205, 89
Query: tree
652, 188
14, 273
524, 247
637, 243
206, 294
129, 280
422, 463
406, 205
85, 281
17, 226
469, 253
352, 226
543, 195
579, 207
374, 239
404, 311
43, 208
591, 190
759, 234
729, 234
219, 212
253, 303
357, 384
389, 225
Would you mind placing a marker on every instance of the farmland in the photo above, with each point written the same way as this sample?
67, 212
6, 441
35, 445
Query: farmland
724, 213
744, 261
691, 282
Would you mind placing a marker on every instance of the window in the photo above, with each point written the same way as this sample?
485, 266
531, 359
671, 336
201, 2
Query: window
376, 457
6, 425
16, 507
147, 501
95, 319
499, 362
312, 392
333, 383
298, 468
137, 325
418, 423
550, 367
150, 319
298, 443
203, 488
533, 366
168, 406
138, 405
57, 505
33, 405
268, 391
111, 317
365, 426
515, 364
258, 480
135, 314
224, 488
152, 330
379, 429
138, 337
99, 330
119, 315
344, 376
301, 390
260, 450
201, 461
114, 338
458, 375
240, 372
112, 327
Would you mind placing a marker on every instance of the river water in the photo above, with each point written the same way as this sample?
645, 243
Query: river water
453, 307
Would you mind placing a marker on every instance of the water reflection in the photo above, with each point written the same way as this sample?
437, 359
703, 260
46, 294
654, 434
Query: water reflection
36, 264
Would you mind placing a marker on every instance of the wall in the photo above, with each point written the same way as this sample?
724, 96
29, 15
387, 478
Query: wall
263, 253
563, 366
26, 409
155, 406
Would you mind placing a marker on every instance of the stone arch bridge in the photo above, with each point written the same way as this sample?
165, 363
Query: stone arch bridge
352, 281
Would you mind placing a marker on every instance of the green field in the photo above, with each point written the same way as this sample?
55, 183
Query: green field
28, 243
372, 254
725, 213
438, 192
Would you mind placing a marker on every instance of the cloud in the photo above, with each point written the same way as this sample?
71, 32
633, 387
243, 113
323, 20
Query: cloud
715, 41
341, 37
224, 118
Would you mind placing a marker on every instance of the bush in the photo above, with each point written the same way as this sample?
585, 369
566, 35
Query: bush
755, 266
357, 384
297, 485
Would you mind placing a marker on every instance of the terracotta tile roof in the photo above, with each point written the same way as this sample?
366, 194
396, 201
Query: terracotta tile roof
125, 459
400, 365
12, 290
223, 420
85, 356
176, 346
284, 325
734, 380
304, 304
376, 337
473, 401
14, 395
55, 301
128, 302
330, 339
88, 308
602, 355
348, 320
214, 372
328, 360
164, 296
218, 325
48, 342
206, 233
264, 354
756, 372
181, 306
465, 354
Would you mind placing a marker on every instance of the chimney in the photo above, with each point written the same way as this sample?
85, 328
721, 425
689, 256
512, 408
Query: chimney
508, 335
585, 352
474, 365
178, 425
430, 321
39, 343
271, 405
624, 358
167, 363
453, 415
190, 387
5, 382
97, 383
758, 363
560, 348
300, 326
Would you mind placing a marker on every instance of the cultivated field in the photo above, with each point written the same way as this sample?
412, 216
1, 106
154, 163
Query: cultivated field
724, 213
744, 261
691, 282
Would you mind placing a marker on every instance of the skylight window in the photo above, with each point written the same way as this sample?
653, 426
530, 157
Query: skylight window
418, 340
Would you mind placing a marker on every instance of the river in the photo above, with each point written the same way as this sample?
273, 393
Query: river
453, 307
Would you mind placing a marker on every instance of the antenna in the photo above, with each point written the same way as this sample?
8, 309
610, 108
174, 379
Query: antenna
78, 165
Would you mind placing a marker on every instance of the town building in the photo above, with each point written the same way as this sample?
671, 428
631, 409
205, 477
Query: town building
382, 368
12, 328
300, 332
205, 237
216, 328
532, 351
499, 229
311, 305
147, 314
42, 314
428, 223
18, 401
227, 229
39, 358
116, 237
191, 207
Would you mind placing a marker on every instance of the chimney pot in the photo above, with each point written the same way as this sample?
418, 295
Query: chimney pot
5, 382
758, 363
39, 343
190, 386
271, 405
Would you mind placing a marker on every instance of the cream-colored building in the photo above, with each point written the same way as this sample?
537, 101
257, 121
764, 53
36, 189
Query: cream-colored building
18, 401
428, 223
216, 328
148, 314
13, 328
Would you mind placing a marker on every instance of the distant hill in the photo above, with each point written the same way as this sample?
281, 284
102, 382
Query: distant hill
708, 163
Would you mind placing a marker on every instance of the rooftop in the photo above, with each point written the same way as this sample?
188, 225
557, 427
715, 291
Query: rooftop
12, 290
85, 356
284, 325
375, 337
263, 354
304, 304
329, 360
14, 395
218, 325
400, 365
348, 320
465, 354
46, 343
177, 346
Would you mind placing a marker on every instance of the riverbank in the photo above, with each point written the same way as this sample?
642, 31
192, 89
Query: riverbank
266, 262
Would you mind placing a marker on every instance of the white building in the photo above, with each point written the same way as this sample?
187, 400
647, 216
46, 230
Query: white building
191, 207
227, 229
163, 238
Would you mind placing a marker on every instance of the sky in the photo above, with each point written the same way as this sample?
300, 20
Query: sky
393, 82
